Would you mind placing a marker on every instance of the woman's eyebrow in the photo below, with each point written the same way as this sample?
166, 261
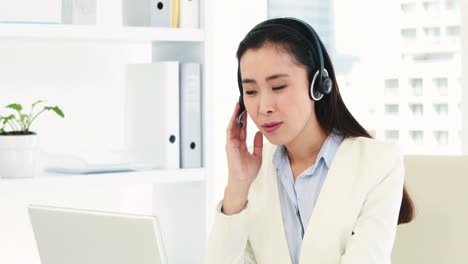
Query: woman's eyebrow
269, 78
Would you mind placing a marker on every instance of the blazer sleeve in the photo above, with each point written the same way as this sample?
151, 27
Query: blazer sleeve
375, 228
228, 241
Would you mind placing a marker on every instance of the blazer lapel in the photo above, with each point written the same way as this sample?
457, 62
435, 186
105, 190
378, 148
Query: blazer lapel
276, 245
329, 208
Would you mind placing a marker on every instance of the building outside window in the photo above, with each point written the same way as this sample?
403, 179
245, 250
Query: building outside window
408, 8
431, 6
419, 42
416, 109
417, 137
452, 4
391, 87
393, 135
432, 33
416, 85
392, 109
453, 31
441, 85
441, 109
408, 33
441, 137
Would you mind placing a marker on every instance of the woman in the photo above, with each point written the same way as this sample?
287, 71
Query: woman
323, 191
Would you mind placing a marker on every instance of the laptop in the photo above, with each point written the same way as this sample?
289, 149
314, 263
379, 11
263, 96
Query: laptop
78, 236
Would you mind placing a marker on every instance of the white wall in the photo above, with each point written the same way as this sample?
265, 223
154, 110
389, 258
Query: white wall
231, 21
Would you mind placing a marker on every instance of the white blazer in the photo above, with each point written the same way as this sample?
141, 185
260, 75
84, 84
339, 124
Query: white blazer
354, 219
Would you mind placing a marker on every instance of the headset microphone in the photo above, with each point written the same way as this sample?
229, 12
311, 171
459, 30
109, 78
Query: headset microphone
241, 112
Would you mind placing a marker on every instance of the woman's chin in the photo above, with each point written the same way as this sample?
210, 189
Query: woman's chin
274, 139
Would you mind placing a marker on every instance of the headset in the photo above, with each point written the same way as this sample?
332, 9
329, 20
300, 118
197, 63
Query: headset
321, 83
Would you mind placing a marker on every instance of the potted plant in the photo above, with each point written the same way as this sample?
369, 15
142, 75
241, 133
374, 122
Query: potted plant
19, 145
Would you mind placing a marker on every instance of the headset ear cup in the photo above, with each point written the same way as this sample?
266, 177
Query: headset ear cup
314, 93
327, 83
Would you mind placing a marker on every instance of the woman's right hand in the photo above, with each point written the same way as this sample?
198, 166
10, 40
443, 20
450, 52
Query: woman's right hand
243, 166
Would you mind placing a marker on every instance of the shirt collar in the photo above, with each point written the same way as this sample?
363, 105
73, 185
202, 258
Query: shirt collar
329, 148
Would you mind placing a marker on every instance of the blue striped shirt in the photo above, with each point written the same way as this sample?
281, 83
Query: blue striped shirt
298, 197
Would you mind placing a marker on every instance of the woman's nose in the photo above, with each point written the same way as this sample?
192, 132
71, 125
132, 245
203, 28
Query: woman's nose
266, 105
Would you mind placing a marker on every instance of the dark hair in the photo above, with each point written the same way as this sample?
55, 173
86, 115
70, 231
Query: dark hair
331, 111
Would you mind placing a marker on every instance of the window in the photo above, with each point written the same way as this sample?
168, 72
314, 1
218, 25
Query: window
439, 56
441, 109
432, 33
431, 6
392, 135
441, 84
408, 8
441, 137
416, 109
418, 81
391, 83
392, 109
453, 31
408, 33
391, 87
416, 136
452, 4
416, 86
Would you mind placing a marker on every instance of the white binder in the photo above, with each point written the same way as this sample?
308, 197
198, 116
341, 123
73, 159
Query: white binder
152, 114
79, 12
135, 13
190, 111
189, 14
161, 13
146, 13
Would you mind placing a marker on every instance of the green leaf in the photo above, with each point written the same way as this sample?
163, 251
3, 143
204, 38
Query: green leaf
56, 109
16, 107
8, 118
38, 102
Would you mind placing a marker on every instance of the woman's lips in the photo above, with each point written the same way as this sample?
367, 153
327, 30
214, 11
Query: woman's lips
271, 127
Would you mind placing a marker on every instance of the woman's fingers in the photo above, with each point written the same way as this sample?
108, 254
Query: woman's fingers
258, 145
233, 130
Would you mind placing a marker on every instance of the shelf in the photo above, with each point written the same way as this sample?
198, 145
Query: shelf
99, 33
53, 180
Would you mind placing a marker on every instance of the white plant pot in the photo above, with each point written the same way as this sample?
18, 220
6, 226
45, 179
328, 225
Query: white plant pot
18, 156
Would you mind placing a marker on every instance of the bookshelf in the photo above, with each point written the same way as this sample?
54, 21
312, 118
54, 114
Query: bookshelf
44, 181
81, 69
98, 33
